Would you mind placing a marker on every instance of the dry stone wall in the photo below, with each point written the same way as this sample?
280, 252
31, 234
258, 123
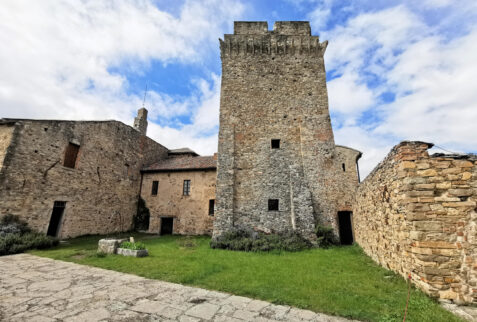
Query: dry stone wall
190, 213
100, 192
274, 87
416, 214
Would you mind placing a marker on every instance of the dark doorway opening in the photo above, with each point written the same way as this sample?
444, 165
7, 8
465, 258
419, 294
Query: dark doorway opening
55, 220
346, 231
166, 225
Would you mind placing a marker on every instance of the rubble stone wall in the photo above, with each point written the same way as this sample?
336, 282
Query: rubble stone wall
100, 192
416, 214
274, 87
190, 213
6, 134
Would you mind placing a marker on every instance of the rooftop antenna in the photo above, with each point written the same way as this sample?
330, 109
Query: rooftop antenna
144, 100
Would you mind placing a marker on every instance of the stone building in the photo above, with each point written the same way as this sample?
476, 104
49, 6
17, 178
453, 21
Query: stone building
70, 178
278, 165
416, 214
179, 192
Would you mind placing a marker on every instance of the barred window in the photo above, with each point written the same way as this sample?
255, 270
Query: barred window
186, 188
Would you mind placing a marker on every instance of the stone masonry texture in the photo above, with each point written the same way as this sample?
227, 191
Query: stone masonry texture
274, 87
41, 289
190, 213
101, 192
416, 214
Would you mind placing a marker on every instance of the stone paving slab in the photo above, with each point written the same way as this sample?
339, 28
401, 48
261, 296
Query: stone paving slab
34, 288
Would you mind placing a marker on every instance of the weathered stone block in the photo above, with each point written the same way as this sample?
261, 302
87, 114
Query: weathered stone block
427, 173
109, 245
132, 252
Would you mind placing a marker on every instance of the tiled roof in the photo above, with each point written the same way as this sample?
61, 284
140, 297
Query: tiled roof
182, 151
183, 164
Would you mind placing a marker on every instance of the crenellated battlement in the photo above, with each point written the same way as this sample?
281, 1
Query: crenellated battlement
286, 38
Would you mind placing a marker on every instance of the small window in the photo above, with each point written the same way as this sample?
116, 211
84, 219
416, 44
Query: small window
343, 166
275, 144
186, 188
272, 204
211, 207
155, 187
71, 155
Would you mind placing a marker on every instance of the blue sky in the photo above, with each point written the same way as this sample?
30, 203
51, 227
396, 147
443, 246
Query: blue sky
396, 70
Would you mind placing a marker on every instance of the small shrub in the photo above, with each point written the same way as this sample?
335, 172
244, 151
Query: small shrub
326, 236
133, 246
16, 237
257, 241
17, 243
11, 224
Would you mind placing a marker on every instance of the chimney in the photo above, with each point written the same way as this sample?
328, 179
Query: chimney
140, 122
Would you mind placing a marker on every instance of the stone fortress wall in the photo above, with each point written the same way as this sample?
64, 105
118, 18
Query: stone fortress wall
417, 214
101, 191
6, 134
274, 88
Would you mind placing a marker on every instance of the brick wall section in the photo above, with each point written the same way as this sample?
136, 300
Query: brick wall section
191, 213
417, 214
100, 193
274, 87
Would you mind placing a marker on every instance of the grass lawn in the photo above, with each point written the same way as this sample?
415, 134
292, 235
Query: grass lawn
339, 281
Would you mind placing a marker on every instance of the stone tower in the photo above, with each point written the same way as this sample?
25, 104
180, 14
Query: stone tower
278, 168
140, 122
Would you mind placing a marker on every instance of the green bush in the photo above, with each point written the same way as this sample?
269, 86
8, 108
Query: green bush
326, 236
133, 246
16, 237
260, 242
11, 224
17, 243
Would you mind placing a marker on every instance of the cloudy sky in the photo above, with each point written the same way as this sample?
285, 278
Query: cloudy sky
396, 70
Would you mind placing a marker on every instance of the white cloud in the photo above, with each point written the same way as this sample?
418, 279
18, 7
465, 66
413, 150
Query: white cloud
433, 79
201, 135
349, 97
57, 57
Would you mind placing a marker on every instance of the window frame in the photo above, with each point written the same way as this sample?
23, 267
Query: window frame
71, 155
154, 187
186, 185
211, 207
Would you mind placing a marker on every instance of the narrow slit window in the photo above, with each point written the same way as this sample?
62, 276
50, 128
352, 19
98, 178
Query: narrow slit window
211, 207
275, 144
272, 204
186, 188
71, 155
343, 166
155, 187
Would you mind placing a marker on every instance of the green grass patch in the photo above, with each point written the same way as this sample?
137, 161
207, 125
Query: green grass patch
339, 280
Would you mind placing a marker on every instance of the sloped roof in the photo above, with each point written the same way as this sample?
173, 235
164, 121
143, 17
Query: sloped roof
183, 164
182, 151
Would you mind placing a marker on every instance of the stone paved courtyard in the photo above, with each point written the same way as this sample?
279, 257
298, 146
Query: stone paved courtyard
40, 289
